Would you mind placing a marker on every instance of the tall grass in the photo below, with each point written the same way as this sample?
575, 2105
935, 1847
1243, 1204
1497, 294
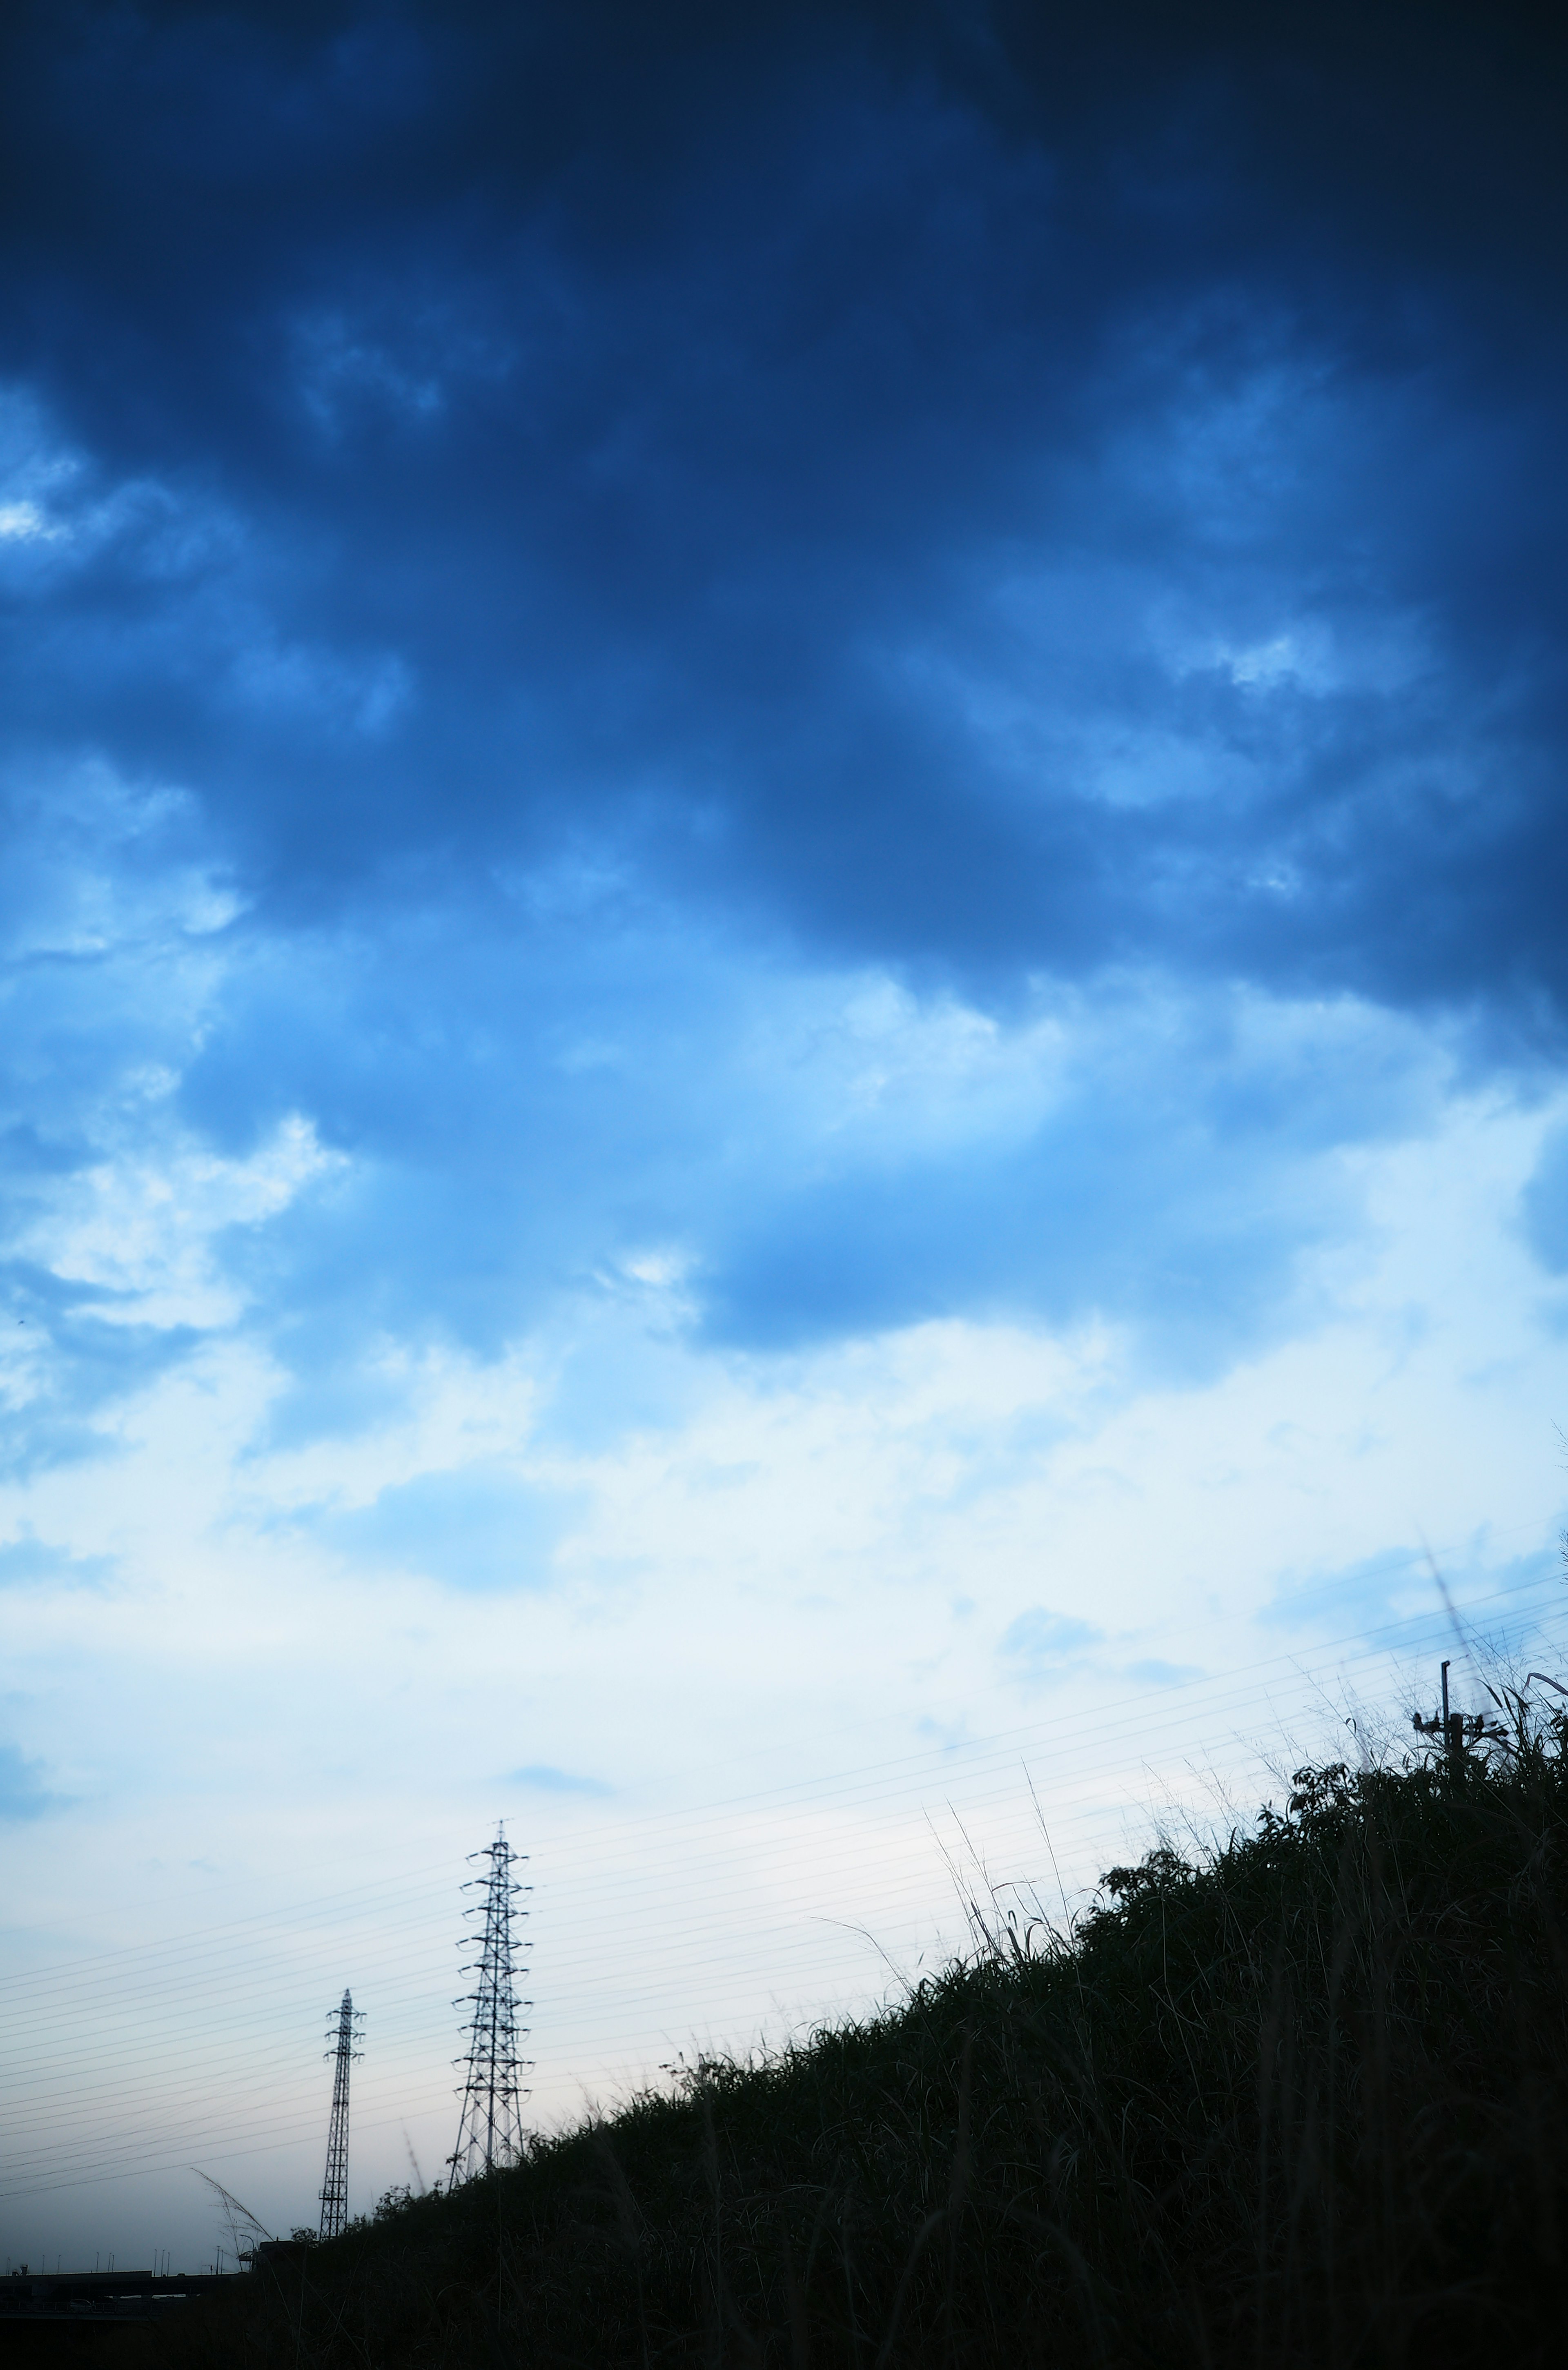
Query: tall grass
1299, 2099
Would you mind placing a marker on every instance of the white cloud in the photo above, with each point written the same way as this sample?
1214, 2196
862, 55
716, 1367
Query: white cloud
26, 522
142, 1224
801, 1566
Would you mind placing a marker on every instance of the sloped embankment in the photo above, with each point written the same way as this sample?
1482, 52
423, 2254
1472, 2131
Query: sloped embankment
1304, 2103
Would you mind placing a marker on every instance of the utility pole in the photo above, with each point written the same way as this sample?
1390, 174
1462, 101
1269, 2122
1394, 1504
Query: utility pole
1457, 1729
335, 2187
490, 2132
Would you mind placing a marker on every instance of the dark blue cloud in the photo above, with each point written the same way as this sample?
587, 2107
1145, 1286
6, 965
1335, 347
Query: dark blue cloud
75, 1361
496, 428
526, 1117
571, 519
1173, 1187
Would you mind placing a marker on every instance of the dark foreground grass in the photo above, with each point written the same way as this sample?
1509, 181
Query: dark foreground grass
1302, 2103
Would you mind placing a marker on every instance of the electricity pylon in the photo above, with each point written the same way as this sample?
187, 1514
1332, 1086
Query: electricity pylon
335, 2188
490, 2130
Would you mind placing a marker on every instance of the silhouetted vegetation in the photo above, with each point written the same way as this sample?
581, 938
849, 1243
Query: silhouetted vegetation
1299, 2100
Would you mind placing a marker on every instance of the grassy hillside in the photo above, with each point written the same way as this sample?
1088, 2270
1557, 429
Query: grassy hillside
1304, 2102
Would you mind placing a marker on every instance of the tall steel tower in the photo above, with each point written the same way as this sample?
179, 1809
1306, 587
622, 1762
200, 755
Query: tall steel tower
491, 2131
335, 2187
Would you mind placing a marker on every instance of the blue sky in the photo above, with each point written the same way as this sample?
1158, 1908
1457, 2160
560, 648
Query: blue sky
780, 947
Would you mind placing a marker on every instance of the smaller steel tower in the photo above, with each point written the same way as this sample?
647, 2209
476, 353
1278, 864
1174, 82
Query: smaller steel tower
335, 2188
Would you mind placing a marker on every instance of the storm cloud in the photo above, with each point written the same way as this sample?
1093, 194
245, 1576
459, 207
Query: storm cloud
529, 535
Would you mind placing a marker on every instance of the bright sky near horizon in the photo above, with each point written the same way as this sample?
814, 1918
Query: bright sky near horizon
782, 983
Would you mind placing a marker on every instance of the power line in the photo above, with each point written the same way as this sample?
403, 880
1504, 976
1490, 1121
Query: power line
1435, 1619
700, 1965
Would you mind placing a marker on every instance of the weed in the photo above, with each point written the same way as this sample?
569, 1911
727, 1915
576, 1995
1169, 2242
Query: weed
1297, 2101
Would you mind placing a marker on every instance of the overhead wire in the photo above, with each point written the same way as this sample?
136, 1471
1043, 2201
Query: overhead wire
717, 1842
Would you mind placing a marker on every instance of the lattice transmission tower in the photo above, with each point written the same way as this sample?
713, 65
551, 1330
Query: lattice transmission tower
335, 2187
491, 2131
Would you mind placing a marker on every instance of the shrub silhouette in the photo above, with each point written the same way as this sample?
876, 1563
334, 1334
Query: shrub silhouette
1299, 2101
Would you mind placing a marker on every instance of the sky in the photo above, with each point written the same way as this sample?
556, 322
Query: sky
782, 1064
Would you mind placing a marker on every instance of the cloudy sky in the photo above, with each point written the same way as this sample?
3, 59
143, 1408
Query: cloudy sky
781, 987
